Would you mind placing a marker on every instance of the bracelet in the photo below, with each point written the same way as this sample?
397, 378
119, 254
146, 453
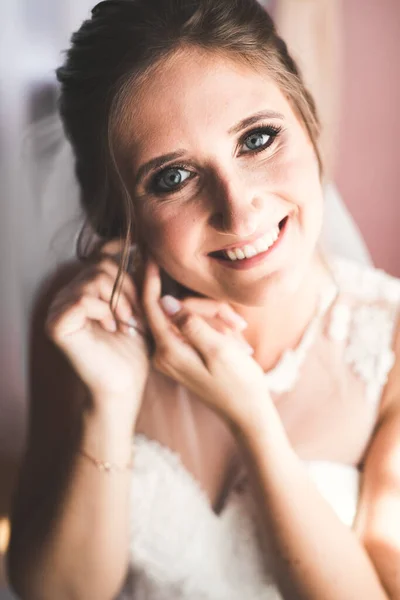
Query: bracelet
106, 466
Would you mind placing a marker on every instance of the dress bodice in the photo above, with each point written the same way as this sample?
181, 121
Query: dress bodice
181, 548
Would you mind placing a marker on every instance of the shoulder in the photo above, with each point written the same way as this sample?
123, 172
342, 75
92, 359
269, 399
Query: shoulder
365, 283
366, 315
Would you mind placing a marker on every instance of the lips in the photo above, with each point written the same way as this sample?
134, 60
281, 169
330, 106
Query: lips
222, 253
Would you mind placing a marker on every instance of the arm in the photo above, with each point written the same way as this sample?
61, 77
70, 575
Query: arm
378, 519
318, 556
69, 519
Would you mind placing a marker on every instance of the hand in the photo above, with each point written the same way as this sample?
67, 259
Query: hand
110, 356
204, 360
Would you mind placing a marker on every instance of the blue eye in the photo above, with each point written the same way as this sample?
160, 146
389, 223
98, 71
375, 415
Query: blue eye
259, 139
171, 179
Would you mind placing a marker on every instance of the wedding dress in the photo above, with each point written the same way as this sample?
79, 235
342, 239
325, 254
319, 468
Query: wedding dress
181, 548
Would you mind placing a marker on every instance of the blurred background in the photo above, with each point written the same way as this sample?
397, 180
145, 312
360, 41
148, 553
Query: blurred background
349, 52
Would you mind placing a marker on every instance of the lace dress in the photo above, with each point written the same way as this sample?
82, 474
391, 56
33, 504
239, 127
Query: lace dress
181, 548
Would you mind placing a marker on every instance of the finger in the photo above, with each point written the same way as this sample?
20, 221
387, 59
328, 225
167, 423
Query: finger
113, 247
59, 324
102, 287
126, 283
213, 309
107, 266
172, 350
158, 321
202, 336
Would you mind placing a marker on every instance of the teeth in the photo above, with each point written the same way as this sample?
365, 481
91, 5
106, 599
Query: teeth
232, 254
261, 245
249, 251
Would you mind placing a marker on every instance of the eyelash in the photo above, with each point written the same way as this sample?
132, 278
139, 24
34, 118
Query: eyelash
271, 130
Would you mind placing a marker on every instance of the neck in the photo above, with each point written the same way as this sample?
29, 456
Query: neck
284, 316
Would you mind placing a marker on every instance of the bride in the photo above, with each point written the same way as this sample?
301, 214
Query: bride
230, 425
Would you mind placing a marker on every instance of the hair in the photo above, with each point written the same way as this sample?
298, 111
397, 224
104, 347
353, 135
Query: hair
118, 46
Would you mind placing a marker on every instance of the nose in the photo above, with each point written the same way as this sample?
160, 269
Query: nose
236, 207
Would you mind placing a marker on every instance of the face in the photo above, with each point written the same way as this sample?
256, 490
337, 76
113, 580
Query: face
220, 163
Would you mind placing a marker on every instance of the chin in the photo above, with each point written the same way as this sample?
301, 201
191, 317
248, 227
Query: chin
270, 290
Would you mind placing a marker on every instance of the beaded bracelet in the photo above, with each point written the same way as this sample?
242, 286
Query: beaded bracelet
106, 466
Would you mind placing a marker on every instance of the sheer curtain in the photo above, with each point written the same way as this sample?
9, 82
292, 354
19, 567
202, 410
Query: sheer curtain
32, 34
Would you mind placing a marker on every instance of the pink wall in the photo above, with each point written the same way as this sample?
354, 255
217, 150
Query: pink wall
368, 169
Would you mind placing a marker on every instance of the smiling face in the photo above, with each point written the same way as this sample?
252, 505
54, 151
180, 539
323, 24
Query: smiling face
219, 160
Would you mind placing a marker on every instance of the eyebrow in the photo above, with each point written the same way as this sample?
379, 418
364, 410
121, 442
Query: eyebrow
156, 163
160, 161
265, 114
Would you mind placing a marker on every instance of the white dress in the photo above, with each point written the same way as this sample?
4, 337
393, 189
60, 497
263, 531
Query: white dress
181, 549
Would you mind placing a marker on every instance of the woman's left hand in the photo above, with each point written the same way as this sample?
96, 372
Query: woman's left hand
211, 364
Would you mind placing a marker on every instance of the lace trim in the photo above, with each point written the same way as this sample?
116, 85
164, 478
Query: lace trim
367, 283
367, 329
284, 376
369, 348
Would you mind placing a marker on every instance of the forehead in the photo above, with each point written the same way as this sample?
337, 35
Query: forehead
194, 93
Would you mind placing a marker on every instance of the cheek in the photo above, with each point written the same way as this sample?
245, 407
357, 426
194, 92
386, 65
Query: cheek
299, 174
169, 233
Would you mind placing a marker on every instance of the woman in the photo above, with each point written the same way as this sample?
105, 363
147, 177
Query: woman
256, 382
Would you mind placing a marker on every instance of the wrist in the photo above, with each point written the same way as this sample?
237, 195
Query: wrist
260, 425
107, 437
114, 408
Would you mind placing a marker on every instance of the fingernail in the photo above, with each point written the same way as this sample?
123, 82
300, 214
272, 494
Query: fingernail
240, 321
171, 305
132, 322
132, 331
113, 327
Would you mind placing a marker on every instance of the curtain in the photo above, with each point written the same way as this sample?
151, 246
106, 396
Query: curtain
312, 29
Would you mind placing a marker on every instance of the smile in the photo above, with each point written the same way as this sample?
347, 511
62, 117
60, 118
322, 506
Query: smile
258, 247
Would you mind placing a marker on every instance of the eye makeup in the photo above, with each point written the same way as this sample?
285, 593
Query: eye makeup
181, 174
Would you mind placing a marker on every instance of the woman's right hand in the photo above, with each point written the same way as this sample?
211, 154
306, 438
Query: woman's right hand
110, 357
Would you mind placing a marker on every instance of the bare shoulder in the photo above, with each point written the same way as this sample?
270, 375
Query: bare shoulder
374, 296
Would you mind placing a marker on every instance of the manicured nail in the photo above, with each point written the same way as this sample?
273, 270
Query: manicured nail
132, 331
113, 327
132, 322
171, 305
240, 321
